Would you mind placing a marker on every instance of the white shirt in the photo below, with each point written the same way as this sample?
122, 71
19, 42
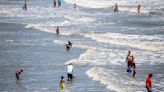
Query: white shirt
70, 69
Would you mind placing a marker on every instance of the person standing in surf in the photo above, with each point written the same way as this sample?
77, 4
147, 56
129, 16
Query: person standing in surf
62, 85
149, 83
57, 30
25, 6
129, 61
54, 3
138, 9
70, 72
116, 7
59, 3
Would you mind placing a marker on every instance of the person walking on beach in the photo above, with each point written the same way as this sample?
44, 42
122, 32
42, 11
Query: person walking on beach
62, 85
138, 9
115, 7
18, 72
149, 83
70, 72
57, 30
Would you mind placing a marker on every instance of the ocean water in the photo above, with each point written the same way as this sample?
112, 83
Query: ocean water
106, 36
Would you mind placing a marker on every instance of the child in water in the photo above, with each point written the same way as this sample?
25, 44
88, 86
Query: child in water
62, 82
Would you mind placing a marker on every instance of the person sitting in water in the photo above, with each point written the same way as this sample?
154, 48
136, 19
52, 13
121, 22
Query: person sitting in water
138, 9
59, 3
115, 7
62, 85
18, 72
70, 72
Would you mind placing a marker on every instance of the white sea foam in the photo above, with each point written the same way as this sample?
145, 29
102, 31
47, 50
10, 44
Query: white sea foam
80, 19
127, 6
114, 81
128, 40
102, 56
99, 56
49, 28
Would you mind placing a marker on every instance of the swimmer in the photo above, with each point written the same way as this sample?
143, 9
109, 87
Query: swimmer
115, 7
18, 72
62, 85
149, 83
138, 9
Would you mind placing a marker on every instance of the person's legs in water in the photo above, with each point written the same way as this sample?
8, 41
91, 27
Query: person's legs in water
59, 3
17, 76
18, 72
115, 10
149, 90
70, 77
134, 72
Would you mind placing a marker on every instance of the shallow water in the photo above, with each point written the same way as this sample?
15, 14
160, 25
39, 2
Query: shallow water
106, 37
